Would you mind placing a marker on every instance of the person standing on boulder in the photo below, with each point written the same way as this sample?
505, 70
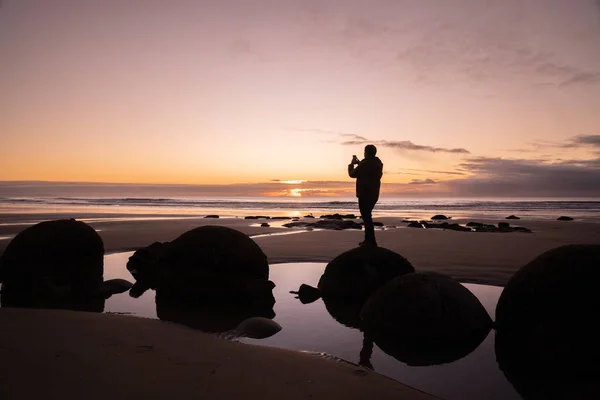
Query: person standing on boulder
368, 173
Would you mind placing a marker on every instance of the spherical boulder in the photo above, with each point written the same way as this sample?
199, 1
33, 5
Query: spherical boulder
209, 263
51, 262
439, 319
545, 324
56, 264
355, 274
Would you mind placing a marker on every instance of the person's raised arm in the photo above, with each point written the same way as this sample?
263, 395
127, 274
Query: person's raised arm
352, 171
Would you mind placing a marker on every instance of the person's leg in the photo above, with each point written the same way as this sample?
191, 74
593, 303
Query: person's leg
366, 209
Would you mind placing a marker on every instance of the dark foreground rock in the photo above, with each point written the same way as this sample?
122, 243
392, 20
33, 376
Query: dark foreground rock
354, 275
415, 224
56, 264
544, 321
207, 264
564, 218
425, 318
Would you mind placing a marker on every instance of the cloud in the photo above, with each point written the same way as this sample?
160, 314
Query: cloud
352, 139
587, 140
422, 182
407, 145
574, 142
518, 177
416, 171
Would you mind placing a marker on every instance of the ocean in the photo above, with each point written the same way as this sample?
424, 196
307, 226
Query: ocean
231, 207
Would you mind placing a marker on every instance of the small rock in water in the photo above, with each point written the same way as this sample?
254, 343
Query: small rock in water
439, 217
257, 328
212, 216
265, 225
307, 294
512, 217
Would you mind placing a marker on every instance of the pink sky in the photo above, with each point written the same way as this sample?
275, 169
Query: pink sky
460, 96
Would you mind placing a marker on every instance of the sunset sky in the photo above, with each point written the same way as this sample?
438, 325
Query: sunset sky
461, 97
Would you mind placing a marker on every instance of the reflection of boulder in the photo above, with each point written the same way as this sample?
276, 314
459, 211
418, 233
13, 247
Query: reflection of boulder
235, 320
207, 264
355, 274
424, 352
544, 325
346, 312
426, 318
56, 264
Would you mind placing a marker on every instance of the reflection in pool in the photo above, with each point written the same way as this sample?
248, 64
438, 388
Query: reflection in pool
310, 327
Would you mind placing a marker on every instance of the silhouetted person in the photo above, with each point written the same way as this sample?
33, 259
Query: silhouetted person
368, 173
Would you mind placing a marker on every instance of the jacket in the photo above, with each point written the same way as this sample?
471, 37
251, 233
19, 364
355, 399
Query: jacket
368, 175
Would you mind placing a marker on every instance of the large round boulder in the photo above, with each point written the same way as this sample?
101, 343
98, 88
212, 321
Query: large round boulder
56, 264
426, 318
210, 263
545, 325
352, 276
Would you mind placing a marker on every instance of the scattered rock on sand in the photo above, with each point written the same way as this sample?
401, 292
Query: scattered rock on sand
56, 264
437, 318
512, 217
374, 224
355, 274
208, 264
564, 218
309, 216
265, 225
298, 224
212, 216
333, 224
503, 225
439, 217
544, 321
445, 225
415, 224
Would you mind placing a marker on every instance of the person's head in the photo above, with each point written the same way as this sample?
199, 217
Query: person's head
370, 150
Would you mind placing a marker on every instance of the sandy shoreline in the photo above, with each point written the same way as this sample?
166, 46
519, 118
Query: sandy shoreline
56, 354
490, 258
